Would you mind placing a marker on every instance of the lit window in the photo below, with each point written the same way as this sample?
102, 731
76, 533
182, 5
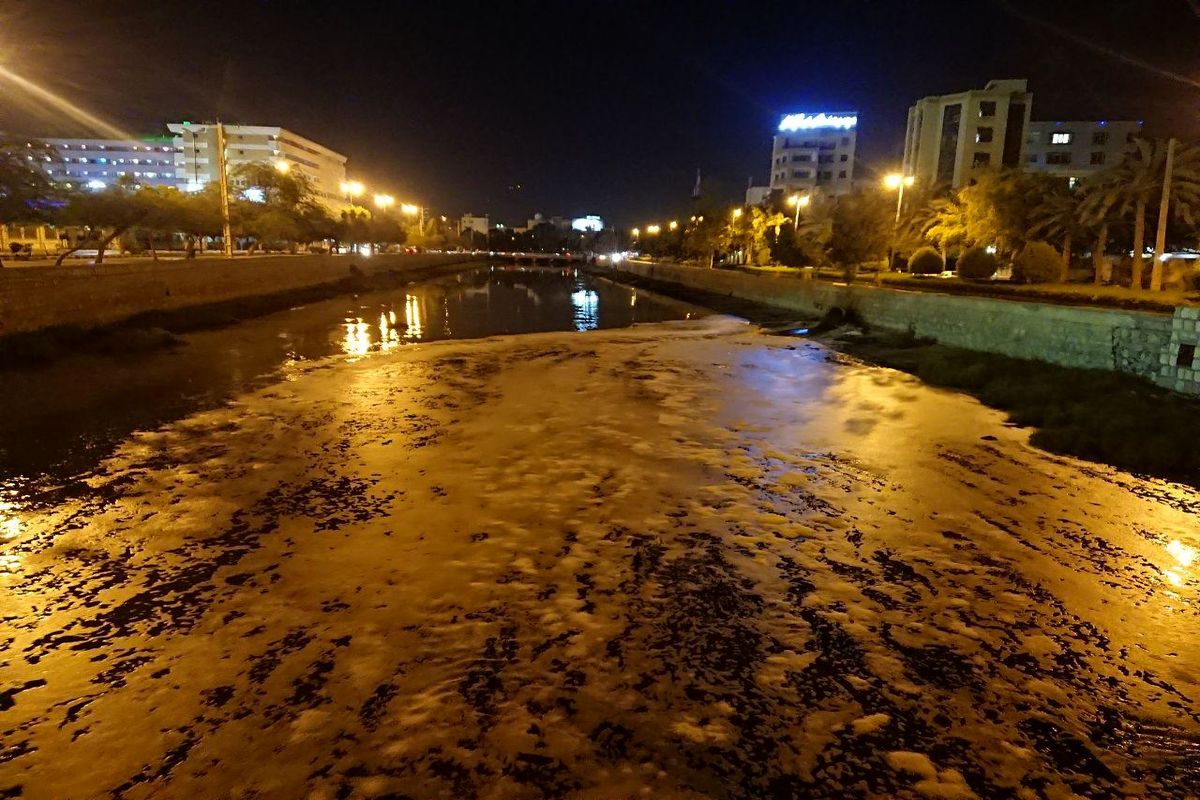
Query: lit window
1060, 137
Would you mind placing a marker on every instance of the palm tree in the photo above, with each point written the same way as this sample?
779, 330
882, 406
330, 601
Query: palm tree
1059, 217
1134, 184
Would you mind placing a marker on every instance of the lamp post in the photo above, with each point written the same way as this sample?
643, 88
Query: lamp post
223, 172
896, 182
195, 157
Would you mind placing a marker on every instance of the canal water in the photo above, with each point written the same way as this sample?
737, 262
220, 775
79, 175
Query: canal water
59, 420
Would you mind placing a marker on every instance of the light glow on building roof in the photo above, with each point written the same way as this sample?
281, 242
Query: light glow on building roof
807, 122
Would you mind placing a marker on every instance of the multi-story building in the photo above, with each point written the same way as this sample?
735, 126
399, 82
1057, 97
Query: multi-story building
814, 151
196, 164
96, 163
951, 137
1076, 150
471, 222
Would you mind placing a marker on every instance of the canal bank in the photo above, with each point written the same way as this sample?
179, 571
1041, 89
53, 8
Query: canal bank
1154, 346
89, 296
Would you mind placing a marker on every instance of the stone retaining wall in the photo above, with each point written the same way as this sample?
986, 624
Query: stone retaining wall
1139, 342
41, 297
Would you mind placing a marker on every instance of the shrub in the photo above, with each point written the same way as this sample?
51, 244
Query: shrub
926, 261
1037, 263
976, 264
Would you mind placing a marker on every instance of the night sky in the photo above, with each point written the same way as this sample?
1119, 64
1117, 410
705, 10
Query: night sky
600, 107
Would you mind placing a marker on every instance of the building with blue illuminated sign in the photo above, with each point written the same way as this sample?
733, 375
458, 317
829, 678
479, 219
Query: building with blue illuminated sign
814, 152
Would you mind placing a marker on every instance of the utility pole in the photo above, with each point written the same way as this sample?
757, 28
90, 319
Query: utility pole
223, 172
1160, 242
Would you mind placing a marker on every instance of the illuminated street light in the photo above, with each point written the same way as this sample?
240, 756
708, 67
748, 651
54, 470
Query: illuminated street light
410, 209
673, 225
353, 188
652, 229
384, 201
895, 181
282, 166
636, 232
737, 213
799, 201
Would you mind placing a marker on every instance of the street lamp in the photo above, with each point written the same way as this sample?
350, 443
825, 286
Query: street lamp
384, 201
636, 232
896, 182
673, 226
282, 166
737, 213
799, 201
652, 229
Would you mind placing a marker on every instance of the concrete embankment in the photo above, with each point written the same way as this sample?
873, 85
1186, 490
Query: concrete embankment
1155, 346
89, 296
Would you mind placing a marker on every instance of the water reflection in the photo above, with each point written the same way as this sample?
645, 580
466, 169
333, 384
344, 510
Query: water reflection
499, 300
1184, 556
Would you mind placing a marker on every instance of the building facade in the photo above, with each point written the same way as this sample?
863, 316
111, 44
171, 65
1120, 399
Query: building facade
814, 152
1076, 150
196, 162
97, 163
950, 138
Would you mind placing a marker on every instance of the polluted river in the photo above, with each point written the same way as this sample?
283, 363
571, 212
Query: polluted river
530, 533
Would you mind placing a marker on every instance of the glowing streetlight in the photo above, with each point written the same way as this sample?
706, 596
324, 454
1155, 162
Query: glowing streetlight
282, 166
353, 188
895, 181
652, 229
409, 209
673, 225
799, 201
636, 232
737, 213
384, 201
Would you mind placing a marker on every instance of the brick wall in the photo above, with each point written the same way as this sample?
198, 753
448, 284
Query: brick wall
40, 297
1138, 342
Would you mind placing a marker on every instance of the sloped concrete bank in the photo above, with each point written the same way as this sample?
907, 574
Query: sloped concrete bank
36, 299
1159, 347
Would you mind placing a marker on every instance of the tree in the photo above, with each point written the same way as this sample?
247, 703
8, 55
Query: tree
26, 193
1131, 186
273, 206
1060, 216
105, 214
861, 230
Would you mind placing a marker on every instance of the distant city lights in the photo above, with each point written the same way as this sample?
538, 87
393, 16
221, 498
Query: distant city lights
808, 122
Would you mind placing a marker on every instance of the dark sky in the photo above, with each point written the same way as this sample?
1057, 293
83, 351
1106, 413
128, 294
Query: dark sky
598, 107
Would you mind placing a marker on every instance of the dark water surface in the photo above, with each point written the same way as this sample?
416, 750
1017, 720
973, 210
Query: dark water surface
58, 420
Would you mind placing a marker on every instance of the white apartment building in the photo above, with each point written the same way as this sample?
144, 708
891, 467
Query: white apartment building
951, 137
1076, 150
96, 163
814, 151
472, 222
196, 163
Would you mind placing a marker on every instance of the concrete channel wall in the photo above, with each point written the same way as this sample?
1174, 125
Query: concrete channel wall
34, 298
1138, 342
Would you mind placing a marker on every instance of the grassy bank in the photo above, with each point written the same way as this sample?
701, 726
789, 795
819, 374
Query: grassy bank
1108, 417
158, 329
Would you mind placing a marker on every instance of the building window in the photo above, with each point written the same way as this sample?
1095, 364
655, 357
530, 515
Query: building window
800, 173
802, 157
824, 176
983, 135
842, 174
1187, 355
845, 141
1098, 157
825, 159
1100, 138
1058, 158
1060, 137
981, 159
843, 157
1032, 158
987, 108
